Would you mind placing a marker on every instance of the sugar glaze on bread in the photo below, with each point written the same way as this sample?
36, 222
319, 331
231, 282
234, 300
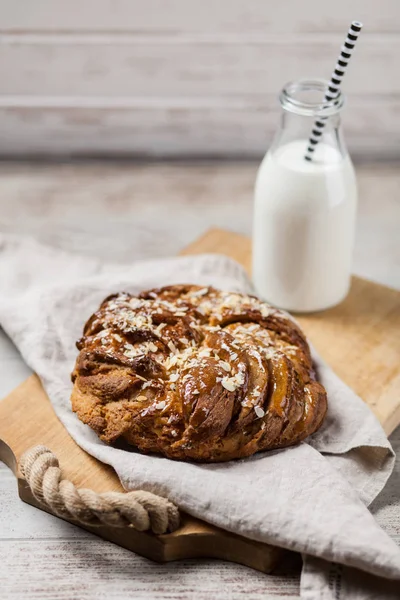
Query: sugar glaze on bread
195, 373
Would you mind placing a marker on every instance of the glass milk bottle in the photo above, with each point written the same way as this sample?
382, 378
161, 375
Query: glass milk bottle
305, 210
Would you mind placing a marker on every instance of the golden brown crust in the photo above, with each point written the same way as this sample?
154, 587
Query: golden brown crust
196, 374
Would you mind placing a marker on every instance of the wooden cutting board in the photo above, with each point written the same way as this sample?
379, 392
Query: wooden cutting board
360, 339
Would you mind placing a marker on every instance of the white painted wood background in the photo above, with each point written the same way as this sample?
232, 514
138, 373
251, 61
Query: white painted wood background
186, 77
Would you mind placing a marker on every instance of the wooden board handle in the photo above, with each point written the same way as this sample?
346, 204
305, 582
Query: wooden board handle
139, 509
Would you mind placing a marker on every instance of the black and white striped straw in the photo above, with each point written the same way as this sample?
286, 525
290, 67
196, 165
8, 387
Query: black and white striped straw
334, 85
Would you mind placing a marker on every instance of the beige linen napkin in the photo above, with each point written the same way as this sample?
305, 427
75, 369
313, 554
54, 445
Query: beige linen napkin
311, 498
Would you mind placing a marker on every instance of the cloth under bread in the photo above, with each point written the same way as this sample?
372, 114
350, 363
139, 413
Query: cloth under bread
311, 498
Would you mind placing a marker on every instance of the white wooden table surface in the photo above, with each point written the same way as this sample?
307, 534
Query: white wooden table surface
122, 211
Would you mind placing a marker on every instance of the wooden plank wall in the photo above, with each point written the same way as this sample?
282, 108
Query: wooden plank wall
186, 77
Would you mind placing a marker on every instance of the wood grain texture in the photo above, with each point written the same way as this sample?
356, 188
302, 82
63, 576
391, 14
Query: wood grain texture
82, 570
158, 70
44, 558
176, 127
167, 78
256, 16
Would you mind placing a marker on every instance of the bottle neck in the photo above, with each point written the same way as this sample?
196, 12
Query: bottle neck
303, 104
297, 128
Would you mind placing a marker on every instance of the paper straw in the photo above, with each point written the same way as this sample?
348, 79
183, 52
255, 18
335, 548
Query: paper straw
334, 85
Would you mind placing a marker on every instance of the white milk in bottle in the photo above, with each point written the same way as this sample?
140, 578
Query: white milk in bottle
304, 211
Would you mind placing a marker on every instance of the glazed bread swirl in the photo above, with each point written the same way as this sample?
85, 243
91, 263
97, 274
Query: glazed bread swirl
195, 373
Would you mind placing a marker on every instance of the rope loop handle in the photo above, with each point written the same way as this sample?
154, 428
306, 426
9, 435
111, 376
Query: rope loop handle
138, 509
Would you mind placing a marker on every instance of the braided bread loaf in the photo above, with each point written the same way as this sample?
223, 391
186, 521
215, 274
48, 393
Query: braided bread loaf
196, 374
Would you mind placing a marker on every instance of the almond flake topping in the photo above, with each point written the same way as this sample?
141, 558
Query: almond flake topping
212, 328
160, 405
256, 392
103, 333
135, 303
225, 365
131, 351
119, 304
200, 292
228, 384
266, 311
141, 398
259, 411
171, 362
172, 347
174, 377
205, 353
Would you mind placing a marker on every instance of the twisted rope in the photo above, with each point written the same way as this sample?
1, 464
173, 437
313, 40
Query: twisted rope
139, 509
